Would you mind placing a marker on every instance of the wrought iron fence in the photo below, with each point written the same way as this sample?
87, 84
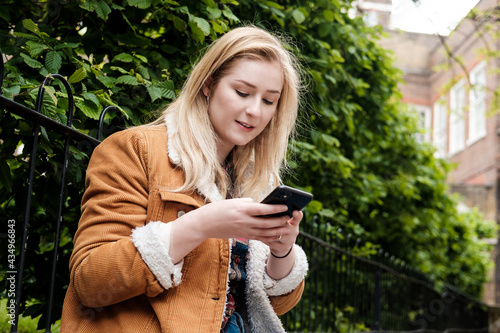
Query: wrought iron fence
345, 292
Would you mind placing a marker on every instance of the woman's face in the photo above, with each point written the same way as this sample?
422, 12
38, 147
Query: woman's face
243, 102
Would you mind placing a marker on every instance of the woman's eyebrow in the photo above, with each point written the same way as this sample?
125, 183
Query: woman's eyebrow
254, 87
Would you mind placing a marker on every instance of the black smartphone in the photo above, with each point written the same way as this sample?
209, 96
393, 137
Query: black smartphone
285, 195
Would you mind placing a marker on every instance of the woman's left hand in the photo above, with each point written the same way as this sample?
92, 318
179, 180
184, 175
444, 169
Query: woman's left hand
278, 268
281, 245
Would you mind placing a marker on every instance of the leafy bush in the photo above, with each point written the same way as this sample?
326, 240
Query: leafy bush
357, 150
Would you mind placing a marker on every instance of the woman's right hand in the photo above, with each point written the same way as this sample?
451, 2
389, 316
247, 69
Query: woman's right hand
232, 218
241, 218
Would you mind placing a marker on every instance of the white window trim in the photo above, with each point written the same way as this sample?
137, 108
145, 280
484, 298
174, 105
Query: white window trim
477, 85
439, 128
424, 113
457, 121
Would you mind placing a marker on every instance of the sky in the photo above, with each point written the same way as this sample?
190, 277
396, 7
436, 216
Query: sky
430, 16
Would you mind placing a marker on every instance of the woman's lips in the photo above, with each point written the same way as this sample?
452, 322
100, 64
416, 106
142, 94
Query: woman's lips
245, 125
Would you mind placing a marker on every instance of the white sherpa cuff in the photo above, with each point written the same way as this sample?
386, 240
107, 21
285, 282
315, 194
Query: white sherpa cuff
153, 243
292, 280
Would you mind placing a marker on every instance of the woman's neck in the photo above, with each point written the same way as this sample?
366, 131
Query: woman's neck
223, 153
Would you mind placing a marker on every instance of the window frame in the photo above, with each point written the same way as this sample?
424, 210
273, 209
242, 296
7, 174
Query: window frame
440, 127
456, 139
477, 104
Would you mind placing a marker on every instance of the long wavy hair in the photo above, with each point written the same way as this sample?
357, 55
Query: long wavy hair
258, 164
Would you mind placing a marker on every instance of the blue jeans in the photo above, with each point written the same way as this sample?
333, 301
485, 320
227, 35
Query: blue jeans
235, 324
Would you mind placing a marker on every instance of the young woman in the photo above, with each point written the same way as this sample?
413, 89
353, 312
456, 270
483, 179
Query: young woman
172, 236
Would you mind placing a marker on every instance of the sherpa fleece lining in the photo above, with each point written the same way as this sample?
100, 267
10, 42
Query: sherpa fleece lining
153, 243
292, 280
261, 314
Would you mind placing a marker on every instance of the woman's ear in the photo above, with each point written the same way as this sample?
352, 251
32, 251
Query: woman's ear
207, 86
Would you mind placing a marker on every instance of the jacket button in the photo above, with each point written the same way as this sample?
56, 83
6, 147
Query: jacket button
180, 213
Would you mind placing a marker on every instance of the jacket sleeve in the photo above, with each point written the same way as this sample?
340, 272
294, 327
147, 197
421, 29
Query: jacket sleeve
106, 266
286, 293
265, 295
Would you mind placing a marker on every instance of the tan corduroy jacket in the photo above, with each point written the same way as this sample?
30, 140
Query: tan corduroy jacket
122, 279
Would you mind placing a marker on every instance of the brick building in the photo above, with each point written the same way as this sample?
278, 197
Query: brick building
455, 98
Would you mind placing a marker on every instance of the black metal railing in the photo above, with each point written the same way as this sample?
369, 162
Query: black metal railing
345, 291
82, 142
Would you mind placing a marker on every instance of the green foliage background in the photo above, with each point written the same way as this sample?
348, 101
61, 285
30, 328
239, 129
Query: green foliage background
357, 150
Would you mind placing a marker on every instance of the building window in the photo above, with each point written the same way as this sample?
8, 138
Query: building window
477, 103
439, 129
371, 18
457, 123
424, 120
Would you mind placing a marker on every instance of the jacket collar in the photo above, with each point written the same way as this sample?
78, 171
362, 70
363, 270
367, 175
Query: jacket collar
208, 189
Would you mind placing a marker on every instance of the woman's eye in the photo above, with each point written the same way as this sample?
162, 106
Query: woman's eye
242, 94
268, 102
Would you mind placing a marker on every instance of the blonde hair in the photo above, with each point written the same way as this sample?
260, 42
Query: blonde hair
258, 164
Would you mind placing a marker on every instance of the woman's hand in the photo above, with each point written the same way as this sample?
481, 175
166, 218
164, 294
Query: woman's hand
243, 218
283, 243
232, 218
282, 257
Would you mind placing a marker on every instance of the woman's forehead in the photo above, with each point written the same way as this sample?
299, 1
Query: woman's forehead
257, 73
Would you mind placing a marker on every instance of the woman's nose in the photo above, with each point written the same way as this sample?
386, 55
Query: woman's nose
254, 107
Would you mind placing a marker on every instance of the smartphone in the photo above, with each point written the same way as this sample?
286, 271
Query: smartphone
285, 195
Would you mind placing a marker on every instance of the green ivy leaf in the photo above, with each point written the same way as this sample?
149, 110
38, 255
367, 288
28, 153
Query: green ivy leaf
142, 4
298, 16
25, 35
182, 10
154, 93
141, 58
199, 28
229, 14
124, 57
314, 207
121, 70
179, 23
64, 45
92, 97
31, 62
31, 26
89, 109
35, 49
108, 82
50, 91
217, 28
273, 4
9, 92
49, 108
102, 9
78, 75
53, 61
127, 79
202, 24
214, 13
166, 89
87, 5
